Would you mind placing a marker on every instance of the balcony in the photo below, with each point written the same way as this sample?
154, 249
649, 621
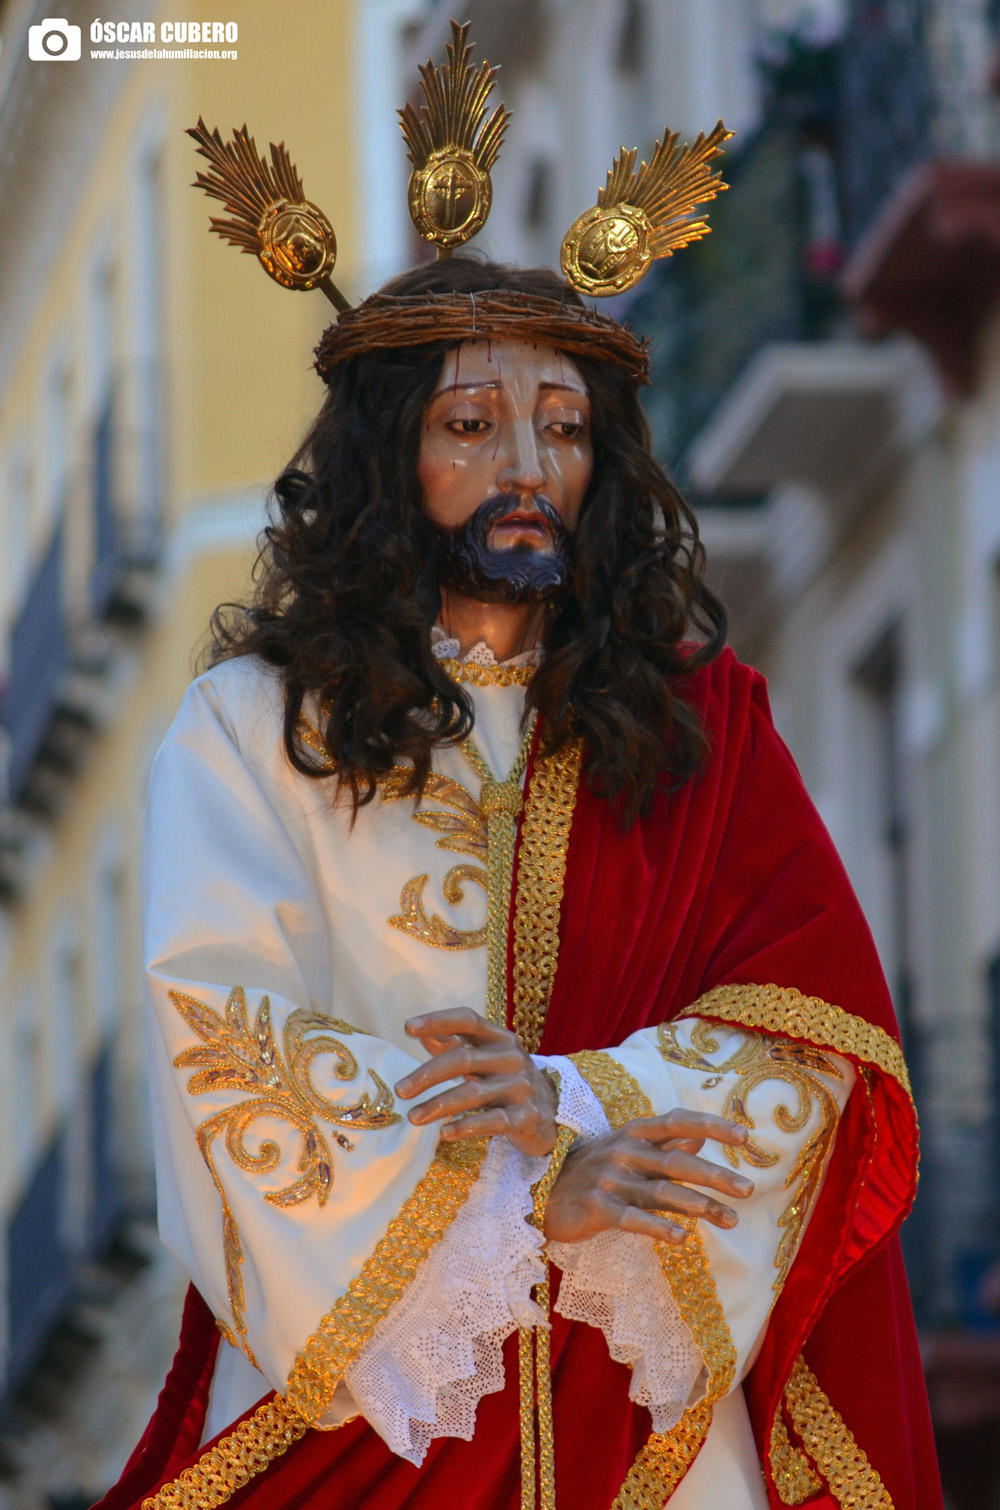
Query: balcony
766, 274
40, 665
930, 265
126, 493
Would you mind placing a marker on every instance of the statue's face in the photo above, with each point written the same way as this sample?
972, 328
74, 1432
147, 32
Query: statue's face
505, 462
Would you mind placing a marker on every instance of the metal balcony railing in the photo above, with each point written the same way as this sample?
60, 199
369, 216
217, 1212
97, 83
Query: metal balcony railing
767, 273
886, 104
126, 491
39, 664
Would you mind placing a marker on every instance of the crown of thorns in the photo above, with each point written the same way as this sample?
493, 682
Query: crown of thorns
640, 215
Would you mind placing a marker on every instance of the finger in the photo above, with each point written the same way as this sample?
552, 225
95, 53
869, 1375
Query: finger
648, 1224
489, 1124
455, 1020
674, 1164
664, 1195
681, 1123
460, 1060
469, 1096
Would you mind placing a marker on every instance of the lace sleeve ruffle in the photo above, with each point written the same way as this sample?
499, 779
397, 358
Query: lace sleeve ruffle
439, 1350
615, 1282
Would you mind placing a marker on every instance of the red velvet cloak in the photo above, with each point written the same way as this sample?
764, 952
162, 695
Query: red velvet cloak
731, 880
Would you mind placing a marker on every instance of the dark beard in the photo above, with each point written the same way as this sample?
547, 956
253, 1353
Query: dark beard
520, 574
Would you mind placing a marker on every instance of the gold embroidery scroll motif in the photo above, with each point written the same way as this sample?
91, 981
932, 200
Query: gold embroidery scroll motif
756, 1060
841, 1463
463, 830
237, 1055
666, 1457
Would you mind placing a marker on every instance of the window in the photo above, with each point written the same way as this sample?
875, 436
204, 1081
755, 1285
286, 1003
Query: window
631, 39
538, 195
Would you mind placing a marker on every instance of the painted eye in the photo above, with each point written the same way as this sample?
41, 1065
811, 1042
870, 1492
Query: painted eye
469, 426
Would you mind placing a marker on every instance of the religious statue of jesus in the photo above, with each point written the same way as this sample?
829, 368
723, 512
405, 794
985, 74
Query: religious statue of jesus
530, 1113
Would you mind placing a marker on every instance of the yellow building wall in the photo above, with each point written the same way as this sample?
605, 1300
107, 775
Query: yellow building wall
239, 393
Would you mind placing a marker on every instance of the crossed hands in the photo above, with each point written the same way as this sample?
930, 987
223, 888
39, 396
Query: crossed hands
625, 1180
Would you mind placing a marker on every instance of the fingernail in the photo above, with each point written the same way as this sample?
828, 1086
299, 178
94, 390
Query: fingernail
743, 1185
401, 1088
418, 1114
415, 1022
730, 1218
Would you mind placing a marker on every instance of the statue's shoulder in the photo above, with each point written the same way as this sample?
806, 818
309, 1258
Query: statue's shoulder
725, 687
246, 696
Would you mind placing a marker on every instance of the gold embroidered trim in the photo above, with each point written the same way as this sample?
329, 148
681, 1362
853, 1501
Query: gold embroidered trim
534, 1352
487, 676
793, 1473
541, 878
779, 1009
665, 1459
757, 1059
830, 1443
237, 1056
463, 831
619, 1093
313, 740
385, 1275
501, 803
233, 1461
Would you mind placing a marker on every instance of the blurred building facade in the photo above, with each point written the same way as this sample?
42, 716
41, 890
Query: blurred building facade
827, 389
152, 384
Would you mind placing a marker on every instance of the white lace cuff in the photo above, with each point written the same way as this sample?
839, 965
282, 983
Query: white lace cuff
579, 1107
439, 1350
615, 1282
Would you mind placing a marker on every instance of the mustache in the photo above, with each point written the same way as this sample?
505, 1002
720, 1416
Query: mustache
469, 565
494, 510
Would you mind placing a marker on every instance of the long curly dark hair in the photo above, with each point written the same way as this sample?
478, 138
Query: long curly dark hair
347, 592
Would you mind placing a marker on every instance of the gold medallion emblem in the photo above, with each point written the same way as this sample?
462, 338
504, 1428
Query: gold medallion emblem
297, 244
607, 250
643, 213
452, 147
449, 197
269, 215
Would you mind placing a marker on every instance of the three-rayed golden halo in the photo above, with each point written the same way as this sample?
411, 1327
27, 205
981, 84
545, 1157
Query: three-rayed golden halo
449, 197
297, 244
606, 249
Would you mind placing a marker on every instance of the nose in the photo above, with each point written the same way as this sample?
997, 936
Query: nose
521, 471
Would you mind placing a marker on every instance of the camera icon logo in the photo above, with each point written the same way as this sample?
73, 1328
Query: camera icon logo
54, 41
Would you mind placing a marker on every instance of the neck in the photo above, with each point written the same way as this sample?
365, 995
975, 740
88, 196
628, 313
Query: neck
507, 628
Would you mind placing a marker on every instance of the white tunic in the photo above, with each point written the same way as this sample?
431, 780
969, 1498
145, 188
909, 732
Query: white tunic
282, 1153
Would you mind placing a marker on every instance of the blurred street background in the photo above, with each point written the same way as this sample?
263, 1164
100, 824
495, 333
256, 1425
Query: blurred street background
826, 390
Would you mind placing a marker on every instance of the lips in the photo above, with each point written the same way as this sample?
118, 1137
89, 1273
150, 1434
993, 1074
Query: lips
520, 523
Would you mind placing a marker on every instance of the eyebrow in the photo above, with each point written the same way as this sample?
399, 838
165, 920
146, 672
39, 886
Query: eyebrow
543, 388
